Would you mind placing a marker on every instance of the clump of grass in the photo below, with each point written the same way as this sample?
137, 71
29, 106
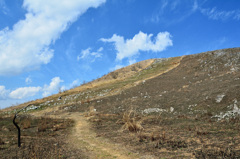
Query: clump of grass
131, 122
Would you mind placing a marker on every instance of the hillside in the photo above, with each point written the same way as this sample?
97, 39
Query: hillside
181, 107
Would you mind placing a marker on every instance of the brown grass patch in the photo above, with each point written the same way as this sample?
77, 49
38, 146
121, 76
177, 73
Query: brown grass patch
131, 121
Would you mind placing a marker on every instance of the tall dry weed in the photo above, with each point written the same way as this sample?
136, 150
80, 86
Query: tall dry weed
131, 121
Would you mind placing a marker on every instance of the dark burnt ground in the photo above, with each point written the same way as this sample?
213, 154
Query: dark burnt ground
196, 109
41, 138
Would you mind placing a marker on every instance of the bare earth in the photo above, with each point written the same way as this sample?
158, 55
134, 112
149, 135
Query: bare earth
82, 137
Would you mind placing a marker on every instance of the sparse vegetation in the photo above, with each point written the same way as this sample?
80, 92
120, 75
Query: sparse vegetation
131, 121
184, 107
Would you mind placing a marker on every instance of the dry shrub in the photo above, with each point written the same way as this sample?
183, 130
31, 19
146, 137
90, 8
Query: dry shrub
131, 121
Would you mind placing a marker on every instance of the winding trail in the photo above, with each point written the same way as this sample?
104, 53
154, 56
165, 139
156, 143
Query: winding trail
82, 137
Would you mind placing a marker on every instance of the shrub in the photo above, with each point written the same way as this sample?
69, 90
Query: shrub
130, 121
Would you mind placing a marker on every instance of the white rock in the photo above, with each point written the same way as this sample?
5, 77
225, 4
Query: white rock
219, 98
153, 110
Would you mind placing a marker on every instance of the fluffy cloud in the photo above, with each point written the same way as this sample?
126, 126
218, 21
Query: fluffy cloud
27, 45
90, 56
3, 92
24, 92
52, 87
140, 42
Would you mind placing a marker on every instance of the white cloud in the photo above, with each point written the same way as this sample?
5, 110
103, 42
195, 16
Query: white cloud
3, 92
27, 45
140, 42
52, 87
24, 92
221, 15
90, 56
84, 53
28, 80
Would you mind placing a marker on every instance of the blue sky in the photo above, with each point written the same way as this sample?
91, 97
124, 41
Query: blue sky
50, 45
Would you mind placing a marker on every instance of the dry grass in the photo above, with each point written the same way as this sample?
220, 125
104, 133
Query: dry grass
131, 121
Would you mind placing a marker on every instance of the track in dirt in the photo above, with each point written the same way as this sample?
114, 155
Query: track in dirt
82, 137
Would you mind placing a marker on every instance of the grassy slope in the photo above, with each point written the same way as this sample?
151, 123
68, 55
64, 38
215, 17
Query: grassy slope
110, 84
179, 110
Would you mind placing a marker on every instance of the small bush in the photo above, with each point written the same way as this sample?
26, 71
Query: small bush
130, 122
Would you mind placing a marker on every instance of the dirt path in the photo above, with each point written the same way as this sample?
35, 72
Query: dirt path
82, 137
